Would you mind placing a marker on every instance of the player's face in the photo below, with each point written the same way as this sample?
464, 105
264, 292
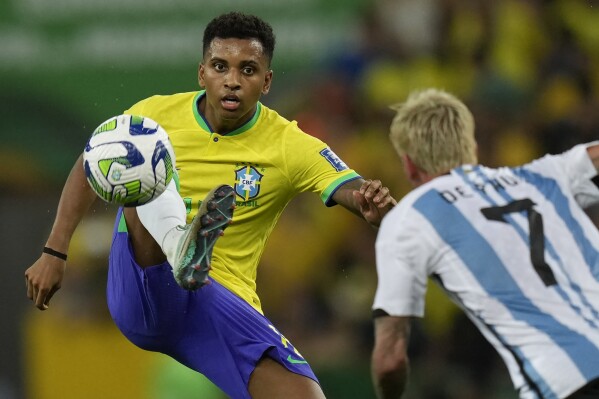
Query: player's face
235, 74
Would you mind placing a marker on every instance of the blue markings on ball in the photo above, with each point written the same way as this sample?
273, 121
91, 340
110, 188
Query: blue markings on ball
137, 128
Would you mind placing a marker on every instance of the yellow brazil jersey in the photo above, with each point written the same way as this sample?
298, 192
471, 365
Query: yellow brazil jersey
268, 161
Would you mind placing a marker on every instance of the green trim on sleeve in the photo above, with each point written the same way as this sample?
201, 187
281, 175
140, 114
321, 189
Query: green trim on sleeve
327, 194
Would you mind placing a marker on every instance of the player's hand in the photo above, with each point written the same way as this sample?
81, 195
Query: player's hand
43, 279
374, 200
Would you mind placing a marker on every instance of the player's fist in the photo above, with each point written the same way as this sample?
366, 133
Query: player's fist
43, 279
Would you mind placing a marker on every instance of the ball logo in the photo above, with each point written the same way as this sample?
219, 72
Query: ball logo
116, 175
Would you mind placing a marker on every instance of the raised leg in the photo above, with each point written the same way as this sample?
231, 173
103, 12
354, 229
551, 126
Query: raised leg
146, 249
270, 380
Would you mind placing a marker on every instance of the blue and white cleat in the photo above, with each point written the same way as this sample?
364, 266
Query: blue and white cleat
195, 249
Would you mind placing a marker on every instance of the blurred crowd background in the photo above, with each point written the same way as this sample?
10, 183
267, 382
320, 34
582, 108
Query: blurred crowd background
529, 70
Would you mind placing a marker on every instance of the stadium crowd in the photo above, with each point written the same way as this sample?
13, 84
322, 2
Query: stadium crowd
529, 72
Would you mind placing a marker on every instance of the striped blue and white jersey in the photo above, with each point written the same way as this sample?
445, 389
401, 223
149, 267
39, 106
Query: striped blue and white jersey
515, 250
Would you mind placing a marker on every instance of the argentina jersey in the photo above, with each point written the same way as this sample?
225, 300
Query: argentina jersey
515, 251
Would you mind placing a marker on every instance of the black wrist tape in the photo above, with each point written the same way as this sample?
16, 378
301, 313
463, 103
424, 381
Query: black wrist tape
52, 252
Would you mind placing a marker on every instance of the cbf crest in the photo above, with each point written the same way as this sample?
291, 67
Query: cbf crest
247, 182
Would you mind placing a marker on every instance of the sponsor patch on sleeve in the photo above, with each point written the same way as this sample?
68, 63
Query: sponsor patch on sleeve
333, 159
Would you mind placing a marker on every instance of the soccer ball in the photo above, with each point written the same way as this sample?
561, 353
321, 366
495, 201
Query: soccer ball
129, 160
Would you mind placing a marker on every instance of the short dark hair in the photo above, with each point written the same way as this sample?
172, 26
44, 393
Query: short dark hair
241, 26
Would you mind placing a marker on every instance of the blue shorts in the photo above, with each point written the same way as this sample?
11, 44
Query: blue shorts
210, 330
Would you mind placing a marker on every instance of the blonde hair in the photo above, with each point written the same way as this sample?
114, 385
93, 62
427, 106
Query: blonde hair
435, 129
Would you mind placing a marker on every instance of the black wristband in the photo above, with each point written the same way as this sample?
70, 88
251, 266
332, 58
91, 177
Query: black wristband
52, 252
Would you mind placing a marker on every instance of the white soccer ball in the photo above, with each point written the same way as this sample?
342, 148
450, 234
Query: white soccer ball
129, 160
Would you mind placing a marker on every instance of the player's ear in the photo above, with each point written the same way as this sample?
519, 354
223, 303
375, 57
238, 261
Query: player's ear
201, 75
411, 169
267, 82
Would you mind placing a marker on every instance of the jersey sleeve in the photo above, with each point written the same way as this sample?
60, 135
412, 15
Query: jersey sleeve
583, 175
401, 262
577, 172
137, 108
314, 167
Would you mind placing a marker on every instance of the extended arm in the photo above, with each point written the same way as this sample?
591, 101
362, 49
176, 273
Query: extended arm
390, 363
44, 277
366, 198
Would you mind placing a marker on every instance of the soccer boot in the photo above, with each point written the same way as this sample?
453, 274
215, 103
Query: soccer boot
195, 246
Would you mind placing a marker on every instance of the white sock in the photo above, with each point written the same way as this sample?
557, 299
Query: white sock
161, 217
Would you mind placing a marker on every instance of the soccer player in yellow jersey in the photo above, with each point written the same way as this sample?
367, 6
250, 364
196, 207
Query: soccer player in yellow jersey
233, 155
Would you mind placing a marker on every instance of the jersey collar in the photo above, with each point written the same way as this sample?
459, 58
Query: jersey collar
204, 123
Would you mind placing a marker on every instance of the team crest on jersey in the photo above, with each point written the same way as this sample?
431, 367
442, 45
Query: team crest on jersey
333, 159
247, 182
